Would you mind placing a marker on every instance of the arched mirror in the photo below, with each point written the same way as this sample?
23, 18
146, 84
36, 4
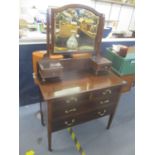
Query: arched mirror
74, 29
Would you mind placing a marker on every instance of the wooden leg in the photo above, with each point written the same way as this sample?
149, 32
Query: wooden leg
49, 140
41, 109
110, 120
41, 113
49, 126
114, 110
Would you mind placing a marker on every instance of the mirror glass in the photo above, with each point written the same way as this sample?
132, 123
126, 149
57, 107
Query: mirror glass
75, 30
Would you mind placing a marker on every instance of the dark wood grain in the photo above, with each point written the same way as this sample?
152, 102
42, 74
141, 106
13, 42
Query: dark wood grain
89, 91
84, 81
49, 126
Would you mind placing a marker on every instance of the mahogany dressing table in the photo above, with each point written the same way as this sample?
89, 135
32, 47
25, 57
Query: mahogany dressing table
83, 92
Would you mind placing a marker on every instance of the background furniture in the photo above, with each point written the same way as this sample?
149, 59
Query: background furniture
130, 82
124, 67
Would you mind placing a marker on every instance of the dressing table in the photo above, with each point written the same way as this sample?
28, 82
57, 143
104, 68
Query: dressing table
86, 89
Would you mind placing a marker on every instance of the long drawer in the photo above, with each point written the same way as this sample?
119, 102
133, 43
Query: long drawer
81, 118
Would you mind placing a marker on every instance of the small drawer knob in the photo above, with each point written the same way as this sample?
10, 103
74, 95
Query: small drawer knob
70, 123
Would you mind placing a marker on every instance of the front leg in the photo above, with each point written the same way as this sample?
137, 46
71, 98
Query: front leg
41, 114
110, 120
41, 108
49, 140
114, 108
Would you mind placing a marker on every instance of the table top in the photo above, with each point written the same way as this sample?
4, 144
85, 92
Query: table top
78, 82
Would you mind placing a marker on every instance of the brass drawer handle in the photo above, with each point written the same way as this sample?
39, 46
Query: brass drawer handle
103, 102
70, 123
72, 99
101, 113
108, 91
71, 110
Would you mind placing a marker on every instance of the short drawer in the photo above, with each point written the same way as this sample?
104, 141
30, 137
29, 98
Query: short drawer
105, 93
101, 102
102, 111
81, 118
70, 102
71, 109
104, 101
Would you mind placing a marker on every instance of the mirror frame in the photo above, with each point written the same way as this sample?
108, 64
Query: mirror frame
51, 12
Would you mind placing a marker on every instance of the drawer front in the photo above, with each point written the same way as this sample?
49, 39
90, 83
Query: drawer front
75, 104
101, 102
70, 101
104, 101
105, 93
81, 118
71, 109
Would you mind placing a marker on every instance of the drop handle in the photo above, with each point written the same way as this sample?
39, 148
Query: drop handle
103, 102
71, 110
108, 91
70, 123
101, 113
72, 99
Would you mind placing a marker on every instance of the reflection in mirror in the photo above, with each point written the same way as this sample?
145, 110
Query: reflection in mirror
75, 30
